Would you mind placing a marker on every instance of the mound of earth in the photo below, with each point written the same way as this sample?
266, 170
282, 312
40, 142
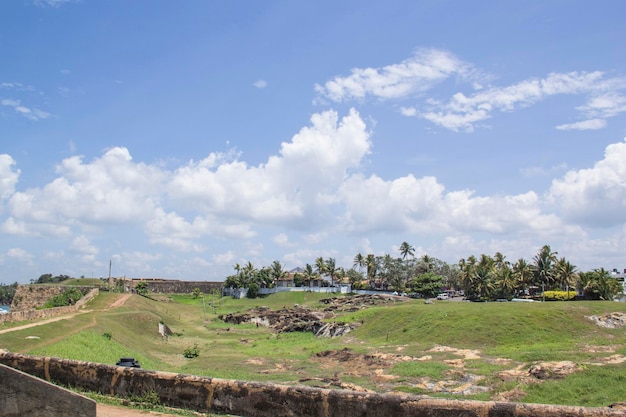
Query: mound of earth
359, 302
610, 320
297, 319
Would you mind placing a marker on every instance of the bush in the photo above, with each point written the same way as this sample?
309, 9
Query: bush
192, 352
559, 295
63, 299
107, 335
253, 290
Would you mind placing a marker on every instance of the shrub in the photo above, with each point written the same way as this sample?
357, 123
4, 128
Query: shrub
107, 335
560, 295
63, 299
192, 352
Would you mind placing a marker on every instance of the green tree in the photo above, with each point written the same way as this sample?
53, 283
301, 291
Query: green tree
277, 272
330, 268
371, 270
406, 250
544, 267
565, 274
599, 285
523, 274
428, 284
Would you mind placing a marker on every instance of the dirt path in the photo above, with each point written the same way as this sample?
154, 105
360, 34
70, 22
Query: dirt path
118, 303
103, 410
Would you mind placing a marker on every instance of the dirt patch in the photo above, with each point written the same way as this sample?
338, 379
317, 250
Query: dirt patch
466, 353
359, 302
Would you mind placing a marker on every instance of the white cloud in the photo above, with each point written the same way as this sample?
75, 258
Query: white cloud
30, 113
419, 73
289, 186
110, 189
52, 3
594, 196
591, 124
462, 112
20, 255
8, 176
260, 84
281, 239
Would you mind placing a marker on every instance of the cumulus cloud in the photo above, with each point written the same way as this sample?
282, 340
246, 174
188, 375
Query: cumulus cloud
110, 189
8, 176
594, 196
285, 188
422, 71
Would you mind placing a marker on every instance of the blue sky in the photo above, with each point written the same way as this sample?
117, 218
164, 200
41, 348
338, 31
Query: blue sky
179, 138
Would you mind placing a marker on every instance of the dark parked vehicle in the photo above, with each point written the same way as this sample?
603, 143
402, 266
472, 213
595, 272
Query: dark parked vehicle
128, 362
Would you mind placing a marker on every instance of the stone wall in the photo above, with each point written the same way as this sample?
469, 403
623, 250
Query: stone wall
22, 394
30, 297
23, 315
179, 287
252, 399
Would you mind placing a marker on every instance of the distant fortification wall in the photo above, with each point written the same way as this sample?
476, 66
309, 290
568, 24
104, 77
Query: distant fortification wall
30, 297
252, 399
179, 287
32, 314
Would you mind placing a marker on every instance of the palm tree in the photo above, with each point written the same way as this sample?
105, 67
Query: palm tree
426, 263
565, 274
309, 274
320, 266
370, 262
331, 270
359, 260
406, 249
544, 266
276, 271
523, 273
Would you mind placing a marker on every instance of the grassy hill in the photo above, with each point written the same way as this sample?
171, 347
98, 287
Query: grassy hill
457, 350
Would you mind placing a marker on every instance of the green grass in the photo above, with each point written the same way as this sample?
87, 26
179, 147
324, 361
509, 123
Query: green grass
520, 332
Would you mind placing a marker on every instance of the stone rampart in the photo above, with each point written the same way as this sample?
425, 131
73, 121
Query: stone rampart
30, 297
22, 394
179, 287
23, 315
252, 399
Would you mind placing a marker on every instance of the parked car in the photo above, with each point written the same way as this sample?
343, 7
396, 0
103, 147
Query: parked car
442, 296
128, 362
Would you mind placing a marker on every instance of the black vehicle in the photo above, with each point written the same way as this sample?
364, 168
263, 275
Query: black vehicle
128, 362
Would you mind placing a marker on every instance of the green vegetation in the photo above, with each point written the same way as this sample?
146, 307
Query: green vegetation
67, 297
500, 336
6, 293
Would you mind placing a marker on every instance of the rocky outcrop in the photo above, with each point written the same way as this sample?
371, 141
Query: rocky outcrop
297, 319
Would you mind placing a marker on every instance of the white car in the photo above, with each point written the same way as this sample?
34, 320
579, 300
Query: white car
442, 296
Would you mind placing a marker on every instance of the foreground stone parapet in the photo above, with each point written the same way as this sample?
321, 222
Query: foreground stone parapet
24, 395
253, 399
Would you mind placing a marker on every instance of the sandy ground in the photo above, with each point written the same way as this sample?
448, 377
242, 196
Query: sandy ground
113, 411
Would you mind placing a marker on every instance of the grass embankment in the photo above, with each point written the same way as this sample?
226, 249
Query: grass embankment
503, 336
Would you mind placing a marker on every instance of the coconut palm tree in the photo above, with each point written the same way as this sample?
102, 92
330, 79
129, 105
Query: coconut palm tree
406, 249
359, 261
523, 273
370, 263
565, 274
331, 270
320, 266
276, 271
544, 267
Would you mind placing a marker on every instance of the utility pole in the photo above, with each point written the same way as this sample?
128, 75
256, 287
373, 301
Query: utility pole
110, 266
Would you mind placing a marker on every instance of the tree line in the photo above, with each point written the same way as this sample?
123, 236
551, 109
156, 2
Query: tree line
7, 292
481, 278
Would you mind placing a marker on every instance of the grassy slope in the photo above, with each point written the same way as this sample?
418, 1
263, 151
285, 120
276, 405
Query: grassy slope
521, 332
